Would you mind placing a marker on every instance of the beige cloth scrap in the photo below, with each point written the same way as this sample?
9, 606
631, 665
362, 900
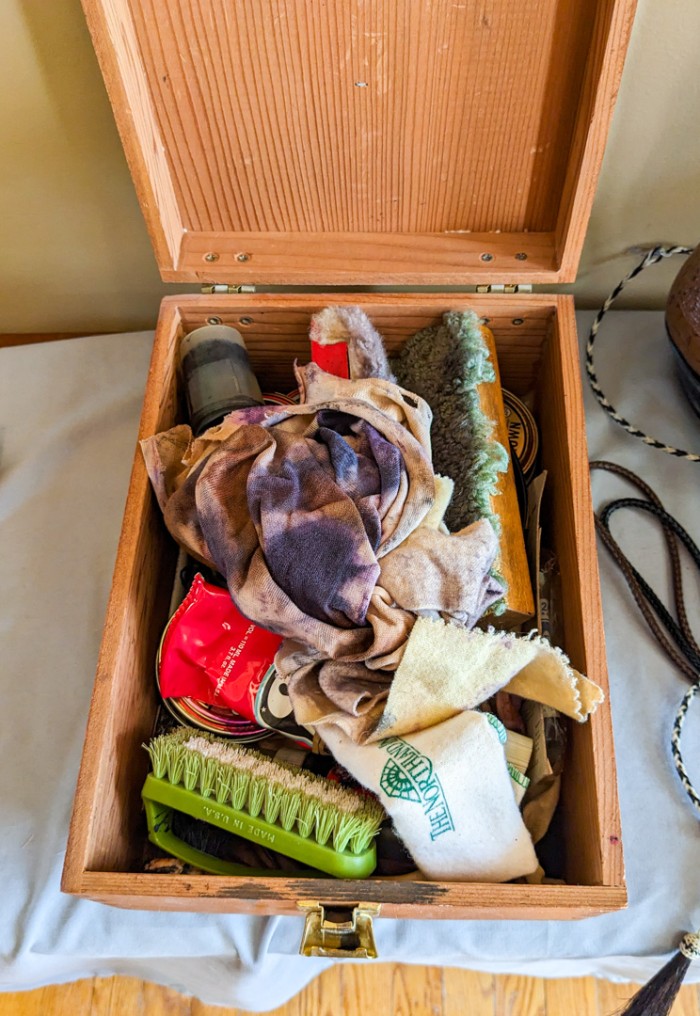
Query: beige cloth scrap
444, 573
357, 715
444, 489
540, 807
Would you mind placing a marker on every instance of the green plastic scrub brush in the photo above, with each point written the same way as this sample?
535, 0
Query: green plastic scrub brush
313, 820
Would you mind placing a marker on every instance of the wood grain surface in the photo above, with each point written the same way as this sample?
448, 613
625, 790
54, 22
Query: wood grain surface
272, 134
351, 117
356, 990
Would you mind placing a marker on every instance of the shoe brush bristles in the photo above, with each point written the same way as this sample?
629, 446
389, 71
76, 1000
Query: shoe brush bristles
296, 800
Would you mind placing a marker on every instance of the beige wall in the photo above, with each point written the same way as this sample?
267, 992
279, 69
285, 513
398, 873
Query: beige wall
75, 254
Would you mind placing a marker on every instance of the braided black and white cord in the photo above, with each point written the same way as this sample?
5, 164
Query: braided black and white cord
676, 745
674, 635
652, 257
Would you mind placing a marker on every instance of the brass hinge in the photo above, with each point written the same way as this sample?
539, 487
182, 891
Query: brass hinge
504, 287
224, 287
341, 932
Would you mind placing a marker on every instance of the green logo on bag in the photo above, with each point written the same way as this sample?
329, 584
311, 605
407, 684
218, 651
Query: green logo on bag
409, 776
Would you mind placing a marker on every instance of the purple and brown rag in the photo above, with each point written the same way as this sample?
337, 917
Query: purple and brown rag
326, 519
314, 512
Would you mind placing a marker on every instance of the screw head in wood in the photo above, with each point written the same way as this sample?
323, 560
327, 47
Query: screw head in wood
211, 256
487, 257
521, 256
214, 320
245, 321
242, 256
518, 321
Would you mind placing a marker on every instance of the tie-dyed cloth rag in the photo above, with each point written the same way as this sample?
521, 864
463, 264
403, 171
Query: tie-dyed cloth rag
315, 515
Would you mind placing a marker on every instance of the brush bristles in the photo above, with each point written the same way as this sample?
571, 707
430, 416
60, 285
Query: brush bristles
296, 800
656, 998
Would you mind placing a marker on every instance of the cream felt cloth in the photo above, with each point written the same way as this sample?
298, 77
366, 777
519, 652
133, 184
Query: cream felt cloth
445, 669
438, 671
450, 797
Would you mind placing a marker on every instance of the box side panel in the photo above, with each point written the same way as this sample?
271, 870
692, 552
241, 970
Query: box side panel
414, 900
275, 326
106, 821
589, 795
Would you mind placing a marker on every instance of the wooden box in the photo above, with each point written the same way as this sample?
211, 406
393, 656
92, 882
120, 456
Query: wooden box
368, 144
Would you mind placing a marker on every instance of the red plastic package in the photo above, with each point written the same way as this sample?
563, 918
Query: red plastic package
212, 653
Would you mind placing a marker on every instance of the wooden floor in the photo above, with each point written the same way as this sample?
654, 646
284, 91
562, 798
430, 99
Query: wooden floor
353, 990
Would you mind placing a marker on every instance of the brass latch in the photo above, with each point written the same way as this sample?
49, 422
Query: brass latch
213, 288
505, 287
341, 932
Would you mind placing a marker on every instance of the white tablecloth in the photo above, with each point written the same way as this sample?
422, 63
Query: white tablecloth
68, 419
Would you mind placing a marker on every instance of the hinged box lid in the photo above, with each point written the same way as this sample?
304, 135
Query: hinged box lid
367, 142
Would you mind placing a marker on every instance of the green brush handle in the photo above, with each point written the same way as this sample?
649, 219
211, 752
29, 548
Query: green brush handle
323, 858
160, 833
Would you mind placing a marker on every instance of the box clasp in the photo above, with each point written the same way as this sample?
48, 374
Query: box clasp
210, 288
340, 932
504, 287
